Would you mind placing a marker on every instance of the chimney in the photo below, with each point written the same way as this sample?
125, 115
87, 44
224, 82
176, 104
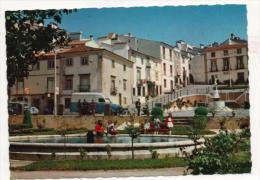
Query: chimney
91, 37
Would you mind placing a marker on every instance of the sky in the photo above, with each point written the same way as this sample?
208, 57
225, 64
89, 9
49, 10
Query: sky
193, 24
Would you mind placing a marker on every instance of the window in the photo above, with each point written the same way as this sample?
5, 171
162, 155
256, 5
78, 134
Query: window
69, 62
213, 67
171, 70
50, 84
165, 83
170, 54
138, 76
240, 77
139, 91
213, 54
125, 100
240, 62
36, 66
143, 91
171, 84
67, 103
102, 100
50, 64
156, 76
133, 91
164, 68
124, 84
68, 82
163, 52
84, 83
113, 85
239, 51
113, 64
225, 52
225, 64
124, 67
142, 61
84, 61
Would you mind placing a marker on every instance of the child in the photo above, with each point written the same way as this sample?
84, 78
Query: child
111, 128
99, 128
169, 121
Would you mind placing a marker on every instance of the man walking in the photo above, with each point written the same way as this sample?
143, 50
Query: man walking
138, 106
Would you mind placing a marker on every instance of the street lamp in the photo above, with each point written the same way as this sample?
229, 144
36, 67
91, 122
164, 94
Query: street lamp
55, 83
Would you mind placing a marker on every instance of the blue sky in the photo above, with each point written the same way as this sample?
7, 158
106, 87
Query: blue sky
193, 24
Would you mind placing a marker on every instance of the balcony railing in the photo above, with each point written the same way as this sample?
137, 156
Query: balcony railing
84, 88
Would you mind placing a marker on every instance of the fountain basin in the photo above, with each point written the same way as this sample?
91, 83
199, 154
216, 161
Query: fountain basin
42, 147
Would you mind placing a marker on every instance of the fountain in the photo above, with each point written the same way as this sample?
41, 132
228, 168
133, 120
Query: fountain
218, 107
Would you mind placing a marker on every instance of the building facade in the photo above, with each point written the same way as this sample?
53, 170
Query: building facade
78, 69
226, 63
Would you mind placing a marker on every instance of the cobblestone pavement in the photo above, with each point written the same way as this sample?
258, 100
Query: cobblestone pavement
97, 173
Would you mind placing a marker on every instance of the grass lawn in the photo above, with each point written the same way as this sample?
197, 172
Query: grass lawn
241, 159
104, 164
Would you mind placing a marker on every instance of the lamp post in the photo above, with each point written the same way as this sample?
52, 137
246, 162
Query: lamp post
55, 84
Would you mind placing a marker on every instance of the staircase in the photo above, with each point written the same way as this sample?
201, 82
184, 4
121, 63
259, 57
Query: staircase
183, 121
190, 90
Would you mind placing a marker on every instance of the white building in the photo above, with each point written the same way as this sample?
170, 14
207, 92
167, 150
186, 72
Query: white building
146, 70
226, 62
79, 69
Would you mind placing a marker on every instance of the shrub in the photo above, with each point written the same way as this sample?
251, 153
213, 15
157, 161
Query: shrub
203, 111
108, 149
27, 119
82, 153
155, 155
200, 119
157, 112
200, 122
217, 155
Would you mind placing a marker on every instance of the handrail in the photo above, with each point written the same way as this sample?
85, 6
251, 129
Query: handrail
187, 91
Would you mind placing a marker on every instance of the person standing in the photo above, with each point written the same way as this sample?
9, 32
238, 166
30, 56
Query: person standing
169, 121
79, 107
93, 107
138, 106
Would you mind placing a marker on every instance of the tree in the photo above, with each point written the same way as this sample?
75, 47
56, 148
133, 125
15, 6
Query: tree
29, 32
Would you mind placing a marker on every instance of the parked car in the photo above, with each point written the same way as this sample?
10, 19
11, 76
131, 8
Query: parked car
33, 110
16, 108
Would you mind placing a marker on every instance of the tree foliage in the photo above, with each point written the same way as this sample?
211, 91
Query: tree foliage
29, 32
157, 112
217, 154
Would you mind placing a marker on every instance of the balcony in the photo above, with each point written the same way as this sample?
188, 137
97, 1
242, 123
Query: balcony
113, 91
84, 88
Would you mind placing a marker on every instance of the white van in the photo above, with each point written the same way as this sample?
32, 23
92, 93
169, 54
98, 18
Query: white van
99, 98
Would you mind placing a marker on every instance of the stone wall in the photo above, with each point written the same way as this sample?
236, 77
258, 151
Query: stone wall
71, 121
79, 122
